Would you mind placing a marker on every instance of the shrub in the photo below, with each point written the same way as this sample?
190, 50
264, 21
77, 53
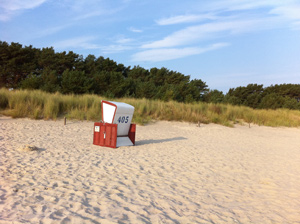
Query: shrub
3, 101
40, 105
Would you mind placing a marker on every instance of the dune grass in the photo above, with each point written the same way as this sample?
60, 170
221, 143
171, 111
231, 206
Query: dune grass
40, 105
36, 104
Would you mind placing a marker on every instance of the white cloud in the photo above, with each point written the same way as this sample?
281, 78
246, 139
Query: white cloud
13, 5
5, 16
50, 30
135, 30
96, 11
184, 19
80, 6
10, 7
124, 40
289, 12
87, 9
89, 15
115, 48
271, 14
77, 43
193, 34
120, 44
165, 54
86, 42
235, 5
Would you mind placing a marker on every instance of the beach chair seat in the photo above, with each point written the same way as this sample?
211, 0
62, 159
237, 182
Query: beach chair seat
116, 129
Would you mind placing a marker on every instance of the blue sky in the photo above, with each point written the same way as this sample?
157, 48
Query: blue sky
224, 43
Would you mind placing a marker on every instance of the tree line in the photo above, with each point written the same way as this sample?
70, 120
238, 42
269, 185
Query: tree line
271, 97
32, 68
26, 67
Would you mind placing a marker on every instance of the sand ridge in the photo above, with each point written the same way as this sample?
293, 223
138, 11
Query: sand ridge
176, 173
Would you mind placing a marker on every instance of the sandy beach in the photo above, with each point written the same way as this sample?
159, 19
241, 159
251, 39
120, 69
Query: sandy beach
176, 173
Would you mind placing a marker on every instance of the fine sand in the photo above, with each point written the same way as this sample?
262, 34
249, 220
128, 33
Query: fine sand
176, 173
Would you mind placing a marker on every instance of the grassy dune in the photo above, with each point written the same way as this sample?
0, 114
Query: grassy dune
40, 105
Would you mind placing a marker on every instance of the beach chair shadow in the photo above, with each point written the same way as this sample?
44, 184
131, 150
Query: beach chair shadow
41, 150
155, 141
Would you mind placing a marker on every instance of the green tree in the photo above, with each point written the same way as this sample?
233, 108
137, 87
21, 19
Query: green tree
197, 88
90, 64
139, 74
50, 81
145, 90
47, 59
116, 84
291, 103
100, 82
214, 96
286, 90
68, 72
31, 82
250, 95
272, 101
75, 82
16, 63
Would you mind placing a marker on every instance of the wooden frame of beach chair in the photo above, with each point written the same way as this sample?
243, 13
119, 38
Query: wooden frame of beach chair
116, 129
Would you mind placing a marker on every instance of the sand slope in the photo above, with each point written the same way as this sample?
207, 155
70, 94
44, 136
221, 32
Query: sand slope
176, 173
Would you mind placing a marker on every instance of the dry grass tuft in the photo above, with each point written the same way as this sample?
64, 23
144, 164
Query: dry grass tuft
40, 105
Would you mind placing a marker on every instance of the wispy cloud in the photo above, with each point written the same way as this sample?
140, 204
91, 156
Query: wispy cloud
193, 34
115, 48
217, 21
79, 5
87, 43
119, 44
13, 5
166, 54
124, 40
135, 30
237, 5
88, 13
50, 30
184, 19
77, 43
290, 13
83, 10
8, 8
287, 10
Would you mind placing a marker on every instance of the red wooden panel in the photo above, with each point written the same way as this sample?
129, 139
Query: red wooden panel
114, 136
102, 132
96, 140
107, 136
131, 133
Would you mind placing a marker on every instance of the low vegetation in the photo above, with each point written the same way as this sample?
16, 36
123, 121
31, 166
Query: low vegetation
26, 67
37, 104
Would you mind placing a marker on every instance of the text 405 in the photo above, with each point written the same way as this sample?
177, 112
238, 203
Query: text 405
123, 119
